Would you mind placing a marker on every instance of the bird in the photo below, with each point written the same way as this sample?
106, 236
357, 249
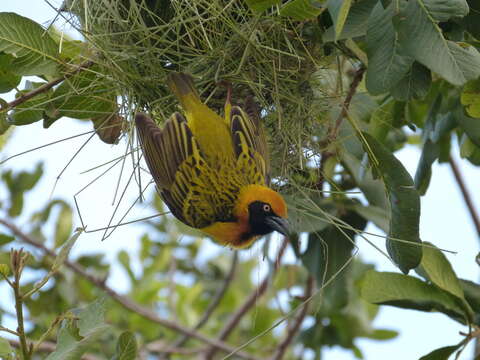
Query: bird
212, 172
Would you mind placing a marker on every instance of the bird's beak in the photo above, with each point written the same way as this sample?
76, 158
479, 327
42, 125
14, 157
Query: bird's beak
279, 224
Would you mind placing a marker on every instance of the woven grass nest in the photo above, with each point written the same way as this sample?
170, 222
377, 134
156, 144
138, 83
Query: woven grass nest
265, 55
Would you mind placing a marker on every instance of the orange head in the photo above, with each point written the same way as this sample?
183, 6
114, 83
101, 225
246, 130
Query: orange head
263, 209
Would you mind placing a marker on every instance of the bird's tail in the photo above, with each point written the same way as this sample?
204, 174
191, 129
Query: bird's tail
184, 89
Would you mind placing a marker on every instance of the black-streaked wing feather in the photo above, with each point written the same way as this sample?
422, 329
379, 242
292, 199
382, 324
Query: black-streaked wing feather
178, 168
249, 145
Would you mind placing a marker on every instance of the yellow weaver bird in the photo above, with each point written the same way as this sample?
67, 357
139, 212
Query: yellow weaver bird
212, 172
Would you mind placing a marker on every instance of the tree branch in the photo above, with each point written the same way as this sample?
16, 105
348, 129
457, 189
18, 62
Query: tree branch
357, 78
125, 301
251, 301
466, 194
45, 87
283, 346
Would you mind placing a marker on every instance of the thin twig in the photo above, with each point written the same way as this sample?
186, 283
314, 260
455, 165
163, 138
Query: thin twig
123, 300
18, 258
466, 194
45, 87
283, 346
2, 328
357, 78
247, 305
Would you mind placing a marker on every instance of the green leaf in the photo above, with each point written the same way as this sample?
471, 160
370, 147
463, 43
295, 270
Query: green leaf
4, 270
373, 189
64, 225
126, 347
302, 9
31, 110
421, 38
355, 24
4, 126
309, 213
382, 334
387, 61
470, 126
73, 340
442, 353
415, 84
423, 174
124, 259
339, 10
470, 98
436, 268
5, 239
328, 251
443, 10
374, 214
84, 96
35, 51
8, 78
410, 293
469, 150
259, 6
65, 250
5, 348
403, 243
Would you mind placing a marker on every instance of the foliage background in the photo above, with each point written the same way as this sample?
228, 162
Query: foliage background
440, 191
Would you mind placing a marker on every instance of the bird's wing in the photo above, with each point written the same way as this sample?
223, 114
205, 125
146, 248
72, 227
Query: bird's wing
184, 179
249, 145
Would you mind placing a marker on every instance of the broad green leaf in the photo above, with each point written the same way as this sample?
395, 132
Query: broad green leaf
64, 225
328, 251
8, 78
387, 61
35, 51
73, 340
5, 239
310, 212
443, 10
355, 24
471, 291
374, 214
259, 6
415, 84
84, 96
470, 98
403, 243
381, 121
5, 348
372, 188
302, 9
470, 126
421, 38
126, 347
339, 10
31, 110
436, 268
472, 20
410, 293
442, 353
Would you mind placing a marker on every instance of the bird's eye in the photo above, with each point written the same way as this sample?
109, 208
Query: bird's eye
266, 208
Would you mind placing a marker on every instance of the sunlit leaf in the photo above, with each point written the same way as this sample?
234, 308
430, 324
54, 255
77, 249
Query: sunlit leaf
35, 51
